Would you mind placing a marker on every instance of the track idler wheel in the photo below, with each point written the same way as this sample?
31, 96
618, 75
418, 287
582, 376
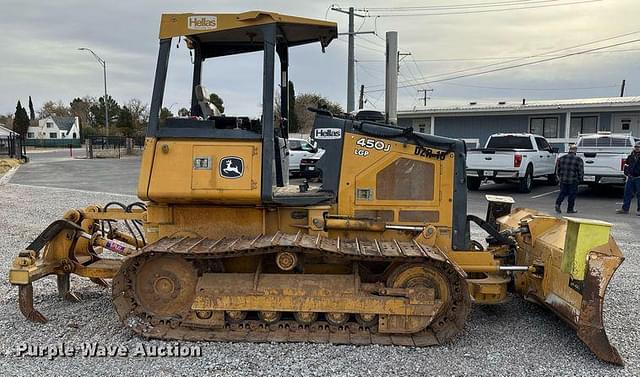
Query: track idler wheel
448, 286
165, 286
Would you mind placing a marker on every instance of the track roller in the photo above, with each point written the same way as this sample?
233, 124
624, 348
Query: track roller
367, 320
236, 316
269, 317
305, 318
337, 319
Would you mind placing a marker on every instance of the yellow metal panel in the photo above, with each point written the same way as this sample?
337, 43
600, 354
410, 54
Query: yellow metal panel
209, 221
174, 25
176, 176
210, 178
145, 167
364, 157
19, 276
582, 236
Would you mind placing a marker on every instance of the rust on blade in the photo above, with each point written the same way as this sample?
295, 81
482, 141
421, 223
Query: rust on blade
600, 268
25, 302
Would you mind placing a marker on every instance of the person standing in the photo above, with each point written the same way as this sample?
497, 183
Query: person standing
570, 171
632, 187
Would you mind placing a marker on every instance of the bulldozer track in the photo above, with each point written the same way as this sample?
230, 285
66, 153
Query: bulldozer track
134, 315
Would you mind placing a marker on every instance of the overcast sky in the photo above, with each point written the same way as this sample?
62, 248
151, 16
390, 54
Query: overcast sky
39, 57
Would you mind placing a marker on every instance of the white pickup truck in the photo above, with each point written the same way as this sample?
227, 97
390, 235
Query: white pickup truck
604, 155
512, 158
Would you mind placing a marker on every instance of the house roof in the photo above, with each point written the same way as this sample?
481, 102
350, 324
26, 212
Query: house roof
535, 105
5, 130
64, 123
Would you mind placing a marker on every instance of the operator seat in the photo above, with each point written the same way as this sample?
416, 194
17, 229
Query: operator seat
208, 108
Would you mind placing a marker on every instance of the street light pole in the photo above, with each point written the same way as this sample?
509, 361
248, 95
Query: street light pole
104, 69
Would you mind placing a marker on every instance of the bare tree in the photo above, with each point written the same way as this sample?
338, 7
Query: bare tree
7, 120
306, 117
139, 115
51, 108
80, 107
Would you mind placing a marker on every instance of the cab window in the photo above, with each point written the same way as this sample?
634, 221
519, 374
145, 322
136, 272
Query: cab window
306, 147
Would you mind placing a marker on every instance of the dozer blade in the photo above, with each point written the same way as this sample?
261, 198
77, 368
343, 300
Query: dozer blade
600, 270
25, 302
576, 259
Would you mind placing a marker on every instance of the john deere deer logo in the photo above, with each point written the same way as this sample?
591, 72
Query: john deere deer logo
231, 167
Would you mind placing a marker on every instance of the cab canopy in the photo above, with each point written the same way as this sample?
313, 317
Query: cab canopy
227, 34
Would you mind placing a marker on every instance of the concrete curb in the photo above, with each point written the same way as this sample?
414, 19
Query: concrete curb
7, 176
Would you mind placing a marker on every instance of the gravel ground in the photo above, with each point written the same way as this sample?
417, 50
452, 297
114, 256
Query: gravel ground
515, 339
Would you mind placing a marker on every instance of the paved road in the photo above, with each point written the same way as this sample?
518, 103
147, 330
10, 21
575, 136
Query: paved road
58, 170
598, 204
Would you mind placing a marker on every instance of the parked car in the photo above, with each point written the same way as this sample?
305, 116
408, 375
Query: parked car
604, 155
512, 158
300, 149
308, 167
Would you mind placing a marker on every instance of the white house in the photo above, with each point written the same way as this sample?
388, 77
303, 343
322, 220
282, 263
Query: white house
56, 128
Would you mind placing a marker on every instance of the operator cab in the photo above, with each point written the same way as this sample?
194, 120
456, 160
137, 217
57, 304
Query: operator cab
210, 36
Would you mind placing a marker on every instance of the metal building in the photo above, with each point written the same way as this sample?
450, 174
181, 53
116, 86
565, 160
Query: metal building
474, 122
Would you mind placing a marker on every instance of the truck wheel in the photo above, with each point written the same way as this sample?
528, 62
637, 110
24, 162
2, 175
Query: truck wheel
552, 180
526, 182
473, 183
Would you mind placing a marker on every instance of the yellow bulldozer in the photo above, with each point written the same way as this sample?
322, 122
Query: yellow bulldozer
223, 248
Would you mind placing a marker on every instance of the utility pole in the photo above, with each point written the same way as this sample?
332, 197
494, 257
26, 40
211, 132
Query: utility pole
361, 100
351, 68
622, 88
351, 60
391, 78
103, 63
424, 98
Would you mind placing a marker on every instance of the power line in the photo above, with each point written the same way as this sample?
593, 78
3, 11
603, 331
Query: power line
520, 65
481, 11
369, 73
460, 6
529, 89
365, 47
493, 57
548, 54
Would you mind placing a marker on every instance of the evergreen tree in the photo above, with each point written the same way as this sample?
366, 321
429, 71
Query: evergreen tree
97, 111
32, 112
21, 120
125, 122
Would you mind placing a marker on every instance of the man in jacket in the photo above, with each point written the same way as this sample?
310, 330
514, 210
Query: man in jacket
570, 171
632, 187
